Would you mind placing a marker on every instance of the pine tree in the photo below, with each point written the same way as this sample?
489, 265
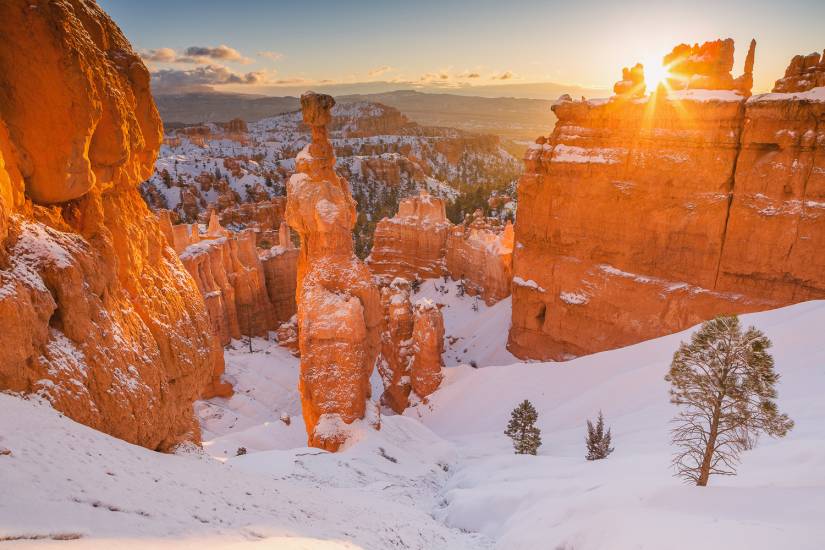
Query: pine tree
522, 429
598, 441
724, 381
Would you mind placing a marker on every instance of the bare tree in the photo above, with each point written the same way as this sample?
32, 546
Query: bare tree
724, 381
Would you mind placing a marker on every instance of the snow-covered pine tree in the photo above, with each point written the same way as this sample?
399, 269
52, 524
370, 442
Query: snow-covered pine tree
598, 441
522, 429
724, 381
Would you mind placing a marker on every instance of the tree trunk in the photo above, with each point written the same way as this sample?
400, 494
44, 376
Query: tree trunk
704, 470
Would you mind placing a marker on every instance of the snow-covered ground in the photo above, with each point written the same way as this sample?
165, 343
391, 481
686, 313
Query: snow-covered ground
442, 475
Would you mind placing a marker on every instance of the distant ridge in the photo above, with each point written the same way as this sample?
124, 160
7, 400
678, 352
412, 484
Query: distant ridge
518, 119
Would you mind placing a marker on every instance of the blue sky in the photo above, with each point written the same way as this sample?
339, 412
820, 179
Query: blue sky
448, 43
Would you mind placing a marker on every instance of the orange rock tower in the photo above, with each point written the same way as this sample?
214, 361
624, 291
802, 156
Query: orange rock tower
339, 307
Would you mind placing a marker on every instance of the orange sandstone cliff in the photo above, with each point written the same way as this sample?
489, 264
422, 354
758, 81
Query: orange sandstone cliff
640, 217
99, 316
420, 242
412, 244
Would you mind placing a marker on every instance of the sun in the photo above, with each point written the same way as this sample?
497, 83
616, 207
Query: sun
655, 73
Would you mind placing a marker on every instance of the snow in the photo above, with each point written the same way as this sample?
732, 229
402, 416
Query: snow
574, 298
442, 475
705, 96
529, 283
815, 94
583, 155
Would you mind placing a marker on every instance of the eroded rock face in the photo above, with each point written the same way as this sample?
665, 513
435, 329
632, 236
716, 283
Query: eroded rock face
805, 72
339, 307
412, 345
632, 83
640, 218
99, 316
247, 290
412, 244
428, 338
397, 345
481, 255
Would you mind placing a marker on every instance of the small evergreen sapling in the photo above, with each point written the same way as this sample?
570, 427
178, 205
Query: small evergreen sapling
522, 429
598, 441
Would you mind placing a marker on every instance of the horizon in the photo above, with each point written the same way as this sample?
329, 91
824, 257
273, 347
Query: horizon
479, 49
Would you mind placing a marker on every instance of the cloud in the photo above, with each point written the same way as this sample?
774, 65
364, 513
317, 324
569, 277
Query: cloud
201, 78
272, 56
218, 53
434, 77
469, 75
506, 75
378, 71
161, 55
196, 55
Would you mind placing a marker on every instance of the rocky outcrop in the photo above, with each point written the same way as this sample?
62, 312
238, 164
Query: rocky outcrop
480, 254
280, 265
99, 315
339, 308
397, 345
419, 242
805, 72
428, 338
632, 83
412, 345
247, 290
412, 244
640, 218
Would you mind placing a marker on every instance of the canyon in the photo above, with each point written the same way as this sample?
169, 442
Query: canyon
640, 216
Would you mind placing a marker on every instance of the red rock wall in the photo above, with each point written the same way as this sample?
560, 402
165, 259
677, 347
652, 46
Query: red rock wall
98, 314
639, 218
411, 244
483, 258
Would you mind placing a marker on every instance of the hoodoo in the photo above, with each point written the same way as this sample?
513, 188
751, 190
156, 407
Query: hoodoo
339, 308
99, 315
640, 217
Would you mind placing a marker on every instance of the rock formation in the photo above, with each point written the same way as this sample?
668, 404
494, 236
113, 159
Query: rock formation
641, 218
481, 255
419, 242
412, 244
99, 316
339, 308
247, 290
805, 72
632, 83
428, 338
397, 345
412, 345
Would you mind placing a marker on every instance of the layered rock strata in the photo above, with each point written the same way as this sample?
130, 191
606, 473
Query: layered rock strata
412, 344
641, 217
412, 244
481, 256
99, 316
419, 242
339, 307
247, 290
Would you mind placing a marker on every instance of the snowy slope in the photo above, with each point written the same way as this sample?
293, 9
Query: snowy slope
441, 476
560, 500
71, 486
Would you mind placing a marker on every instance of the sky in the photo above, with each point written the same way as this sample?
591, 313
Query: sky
277, 47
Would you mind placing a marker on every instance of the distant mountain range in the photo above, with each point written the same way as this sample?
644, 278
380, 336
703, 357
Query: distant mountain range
514, 118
